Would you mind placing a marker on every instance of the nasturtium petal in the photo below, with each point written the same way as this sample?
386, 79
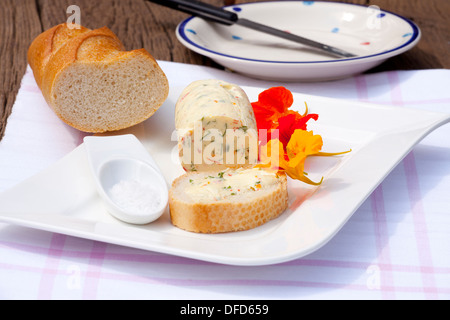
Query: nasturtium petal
278, 99
304, 142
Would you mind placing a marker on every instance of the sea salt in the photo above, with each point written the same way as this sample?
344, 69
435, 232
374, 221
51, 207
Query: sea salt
135, 196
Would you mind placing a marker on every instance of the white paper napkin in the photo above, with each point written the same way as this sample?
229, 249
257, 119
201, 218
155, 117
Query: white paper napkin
395, 246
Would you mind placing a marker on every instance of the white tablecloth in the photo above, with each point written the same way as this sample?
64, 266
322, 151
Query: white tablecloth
396, 246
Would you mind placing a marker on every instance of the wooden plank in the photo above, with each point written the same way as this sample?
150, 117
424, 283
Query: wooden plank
19, 23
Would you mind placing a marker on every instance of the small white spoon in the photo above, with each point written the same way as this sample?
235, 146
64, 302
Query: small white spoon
128, 179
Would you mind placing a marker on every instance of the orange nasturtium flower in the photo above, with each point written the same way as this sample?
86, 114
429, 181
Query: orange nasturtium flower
291, 158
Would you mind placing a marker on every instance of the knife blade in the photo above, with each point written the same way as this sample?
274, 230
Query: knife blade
222, 16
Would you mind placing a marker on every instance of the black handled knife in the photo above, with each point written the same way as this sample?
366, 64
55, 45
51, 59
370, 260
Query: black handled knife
222, 16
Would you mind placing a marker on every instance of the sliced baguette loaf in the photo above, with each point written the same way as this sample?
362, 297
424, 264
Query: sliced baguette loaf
226, 201
91, 82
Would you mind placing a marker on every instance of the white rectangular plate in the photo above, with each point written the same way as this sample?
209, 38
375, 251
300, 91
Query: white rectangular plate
63, 198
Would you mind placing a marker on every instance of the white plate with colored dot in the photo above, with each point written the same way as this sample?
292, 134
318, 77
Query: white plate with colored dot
370, 33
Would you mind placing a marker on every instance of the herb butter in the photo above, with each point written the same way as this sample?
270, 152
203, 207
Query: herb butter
216, 126
230, 183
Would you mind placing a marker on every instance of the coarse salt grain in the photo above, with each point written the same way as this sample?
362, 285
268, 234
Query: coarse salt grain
135, 196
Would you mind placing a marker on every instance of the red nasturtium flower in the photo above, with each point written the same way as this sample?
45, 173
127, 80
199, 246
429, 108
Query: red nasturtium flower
278, 99
289, 123
272, 113
271, 105
288, 143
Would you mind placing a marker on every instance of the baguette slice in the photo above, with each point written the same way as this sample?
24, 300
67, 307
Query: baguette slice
226, 201
92, 83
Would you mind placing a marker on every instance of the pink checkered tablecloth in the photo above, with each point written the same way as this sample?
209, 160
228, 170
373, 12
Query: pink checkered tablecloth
396, 245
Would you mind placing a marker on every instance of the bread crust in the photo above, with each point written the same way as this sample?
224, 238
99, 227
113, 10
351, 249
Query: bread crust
227, 216
43, 47
57, 48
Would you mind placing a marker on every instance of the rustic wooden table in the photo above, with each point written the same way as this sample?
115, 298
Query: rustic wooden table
141, 24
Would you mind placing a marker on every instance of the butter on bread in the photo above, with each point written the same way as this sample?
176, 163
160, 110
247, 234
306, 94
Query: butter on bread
226, 201
221, 196
91, 82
